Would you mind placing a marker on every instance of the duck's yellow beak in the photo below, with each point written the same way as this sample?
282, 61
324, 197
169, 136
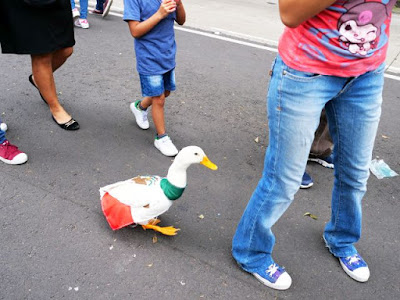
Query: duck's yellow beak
208, 163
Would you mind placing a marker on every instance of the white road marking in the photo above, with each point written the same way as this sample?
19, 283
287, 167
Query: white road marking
392, 70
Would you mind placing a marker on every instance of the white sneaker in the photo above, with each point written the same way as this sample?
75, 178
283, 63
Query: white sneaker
166, 146
356, 267
82, 23
75, 13
140, 116
275, 277
3, 127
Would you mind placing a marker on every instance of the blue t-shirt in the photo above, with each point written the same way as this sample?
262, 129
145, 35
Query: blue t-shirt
155, 51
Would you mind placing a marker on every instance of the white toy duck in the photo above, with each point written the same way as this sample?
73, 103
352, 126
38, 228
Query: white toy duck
142, 199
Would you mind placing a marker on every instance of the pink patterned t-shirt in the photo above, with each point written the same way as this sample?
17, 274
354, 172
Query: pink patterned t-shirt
346, 39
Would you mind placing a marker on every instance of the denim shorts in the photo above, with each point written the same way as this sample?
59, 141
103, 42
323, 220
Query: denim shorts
155, 85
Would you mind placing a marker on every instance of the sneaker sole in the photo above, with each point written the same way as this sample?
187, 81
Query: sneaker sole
351, 274
18, 162
347, 271
107, 9
303, 186
270, 284
95, 13
322, 163
80, 26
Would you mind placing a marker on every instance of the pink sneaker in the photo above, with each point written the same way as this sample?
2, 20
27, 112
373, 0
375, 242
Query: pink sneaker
10, 154
83, 23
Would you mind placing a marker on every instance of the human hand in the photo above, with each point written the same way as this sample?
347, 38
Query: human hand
167, 7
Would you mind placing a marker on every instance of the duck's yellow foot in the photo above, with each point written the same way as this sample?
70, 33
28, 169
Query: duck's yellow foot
154, 221
170, 230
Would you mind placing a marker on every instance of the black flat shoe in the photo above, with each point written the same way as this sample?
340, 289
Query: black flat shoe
33, 83
70, 125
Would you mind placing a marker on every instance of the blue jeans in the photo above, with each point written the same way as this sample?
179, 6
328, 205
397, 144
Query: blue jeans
294, 104
83, 6
155, 85
100, 4
2, 135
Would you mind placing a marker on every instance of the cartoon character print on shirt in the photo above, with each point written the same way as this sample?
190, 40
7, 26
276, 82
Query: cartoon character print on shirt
360, 26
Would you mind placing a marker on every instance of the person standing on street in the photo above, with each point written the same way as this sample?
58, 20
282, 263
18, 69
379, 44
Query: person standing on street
102, 8
46, 33
331, 55
151, 23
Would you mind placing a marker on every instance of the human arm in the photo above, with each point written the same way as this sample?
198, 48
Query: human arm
138, 29
180, 13
295, 12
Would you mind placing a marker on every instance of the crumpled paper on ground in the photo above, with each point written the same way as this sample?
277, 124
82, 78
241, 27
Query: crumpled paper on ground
381, 170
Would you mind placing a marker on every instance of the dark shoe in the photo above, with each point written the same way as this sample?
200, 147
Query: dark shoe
106, 7
96, 12
70, 125
33, 83
306, 181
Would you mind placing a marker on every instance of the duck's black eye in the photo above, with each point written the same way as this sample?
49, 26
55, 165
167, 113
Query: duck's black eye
196, 153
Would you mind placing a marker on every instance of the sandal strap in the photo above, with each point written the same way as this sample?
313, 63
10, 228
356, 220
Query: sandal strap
69, 123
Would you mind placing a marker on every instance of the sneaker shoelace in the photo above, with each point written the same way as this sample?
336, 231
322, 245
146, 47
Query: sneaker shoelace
9, 149
352, 260
272, 269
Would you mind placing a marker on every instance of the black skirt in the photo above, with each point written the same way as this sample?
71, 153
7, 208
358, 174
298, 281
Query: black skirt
26, 29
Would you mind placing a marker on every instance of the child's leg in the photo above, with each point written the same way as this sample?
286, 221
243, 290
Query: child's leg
157, 111
72, 4
158, 104
84, 8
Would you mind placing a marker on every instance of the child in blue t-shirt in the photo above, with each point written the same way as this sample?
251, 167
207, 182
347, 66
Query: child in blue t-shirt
151, 23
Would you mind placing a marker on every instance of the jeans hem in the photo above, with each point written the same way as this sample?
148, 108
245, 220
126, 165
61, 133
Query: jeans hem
349, 251
258, 269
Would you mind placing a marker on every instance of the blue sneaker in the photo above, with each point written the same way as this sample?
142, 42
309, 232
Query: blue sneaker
355, 267
326, 162
306, 181
275, 277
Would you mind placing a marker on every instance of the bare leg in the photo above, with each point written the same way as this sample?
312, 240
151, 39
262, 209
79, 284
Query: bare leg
322, 144
60, 56
157, 111
43, 66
